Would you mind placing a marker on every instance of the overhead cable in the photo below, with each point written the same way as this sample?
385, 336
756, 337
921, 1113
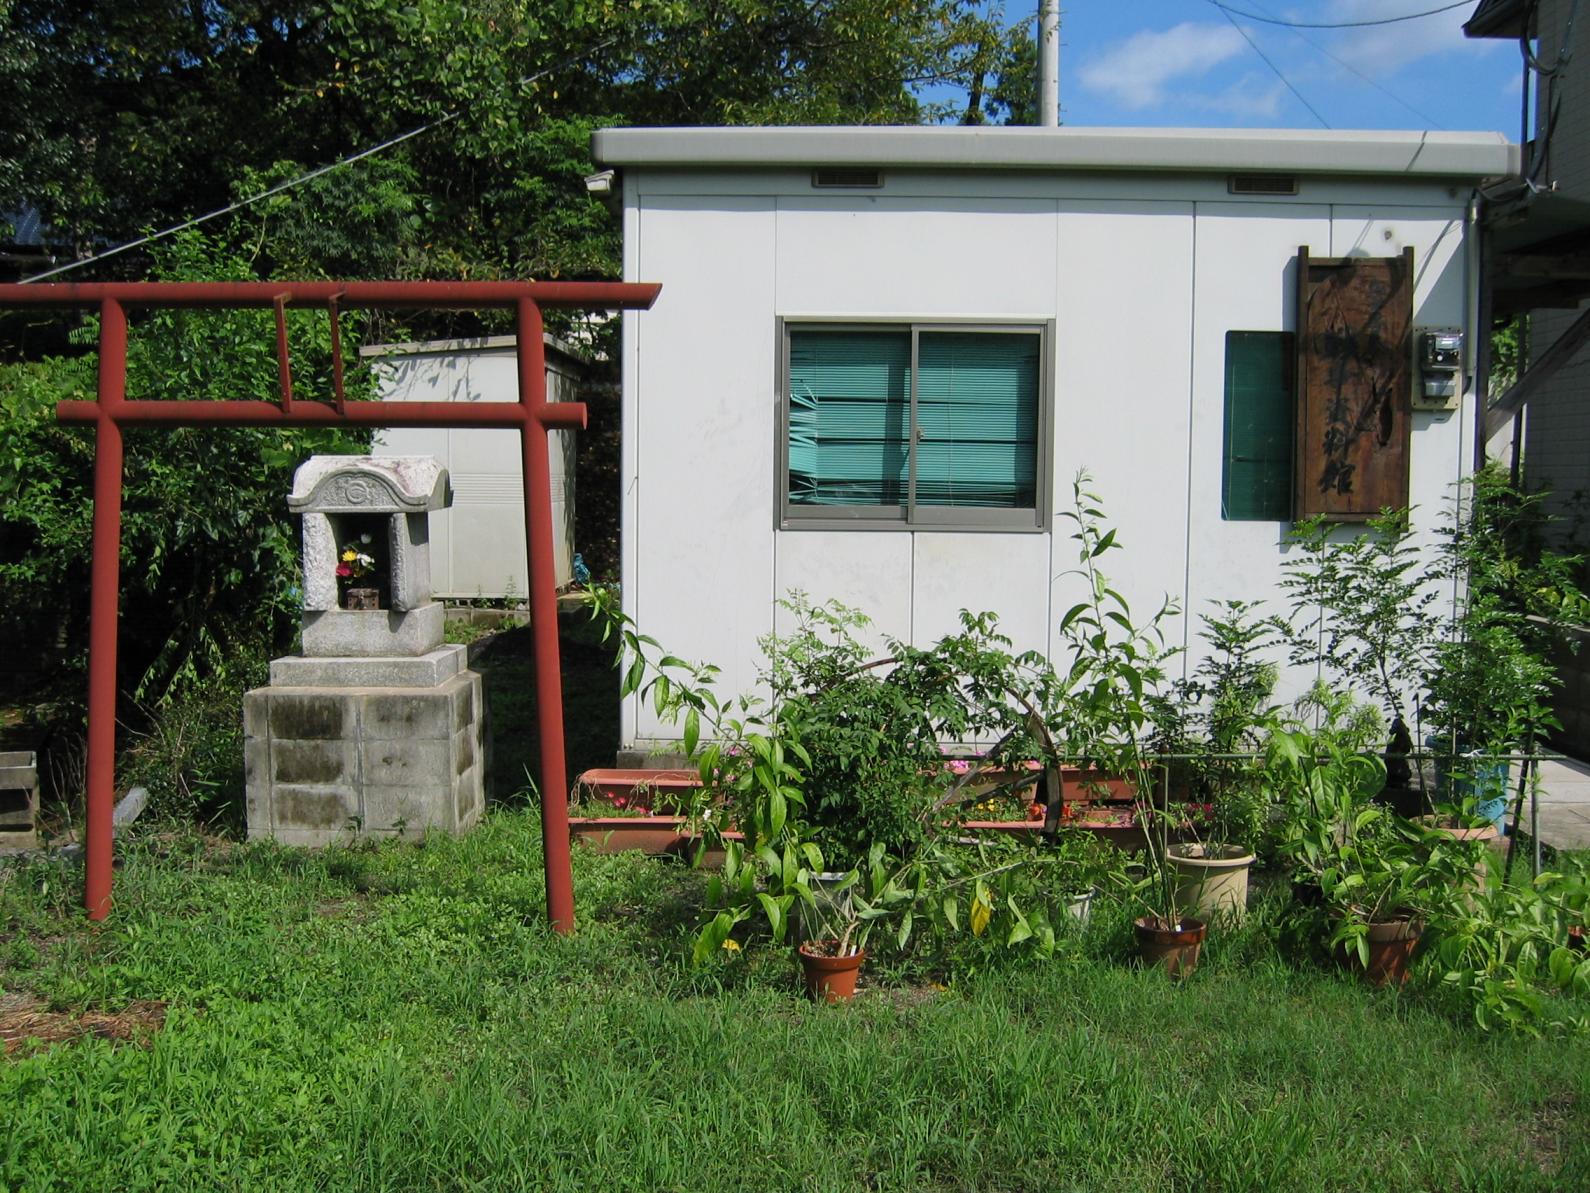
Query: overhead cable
308, 176
1384, 90
1288, 82
1412, 16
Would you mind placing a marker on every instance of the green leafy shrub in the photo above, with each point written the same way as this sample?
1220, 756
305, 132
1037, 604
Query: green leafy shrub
209, 557
191, 755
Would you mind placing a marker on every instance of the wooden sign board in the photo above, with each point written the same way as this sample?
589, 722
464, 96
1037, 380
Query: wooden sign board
1354, 384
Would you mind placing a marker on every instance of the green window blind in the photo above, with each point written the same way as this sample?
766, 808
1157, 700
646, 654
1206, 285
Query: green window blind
977, 416
1256, 485
850, 437
850, 417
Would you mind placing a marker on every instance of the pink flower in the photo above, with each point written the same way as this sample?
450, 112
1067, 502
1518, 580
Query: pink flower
344, 570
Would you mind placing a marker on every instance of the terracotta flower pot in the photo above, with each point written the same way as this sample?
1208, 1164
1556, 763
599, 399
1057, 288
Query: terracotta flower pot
1211, 880
832, 979
1391, 945
1173, 947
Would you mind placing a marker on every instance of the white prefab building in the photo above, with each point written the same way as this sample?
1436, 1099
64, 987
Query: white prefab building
881, 355
477, 545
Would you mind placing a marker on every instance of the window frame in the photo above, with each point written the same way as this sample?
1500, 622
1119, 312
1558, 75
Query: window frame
790, 515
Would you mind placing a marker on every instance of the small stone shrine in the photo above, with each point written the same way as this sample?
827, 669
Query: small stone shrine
376, 728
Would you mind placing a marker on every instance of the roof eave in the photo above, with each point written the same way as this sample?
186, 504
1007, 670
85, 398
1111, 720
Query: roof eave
1423, 154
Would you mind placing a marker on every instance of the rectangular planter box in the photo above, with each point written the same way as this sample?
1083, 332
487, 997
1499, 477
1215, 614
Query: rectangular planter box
638, 787
633, 784
654, 835
1124, 836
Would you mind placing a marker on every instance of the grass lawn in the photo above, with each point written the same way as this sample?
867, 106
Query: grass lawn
400, 1018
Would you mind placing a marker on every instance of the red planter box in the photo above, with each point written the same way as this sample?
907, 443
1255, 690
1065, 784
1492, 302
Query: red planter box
655, 835
639, 788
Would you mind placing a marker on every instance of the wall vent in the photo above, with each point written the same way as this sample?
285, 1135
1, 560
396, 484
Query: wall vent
1262, 184
836, 176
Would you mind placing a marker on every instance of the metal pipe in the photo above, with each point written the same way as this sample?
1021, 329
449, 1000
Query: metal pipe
1049, 63
200, 413
544, 616
105, 584
339, 398
432, 295
284, 366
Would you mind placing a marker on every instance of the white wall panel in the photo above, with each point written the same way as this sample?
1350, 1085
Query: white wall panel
1142, 292
881, 256
701, 422
870, 572
477, 546
1006, 573
1124, 321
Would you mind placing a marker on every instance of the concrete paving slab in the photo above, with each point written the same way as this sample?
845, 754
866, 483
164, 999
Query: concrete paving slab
1564, 808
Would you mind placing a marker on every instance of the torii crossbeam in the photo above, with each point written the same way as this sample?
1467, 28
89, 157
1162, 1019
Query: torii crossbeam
532, 414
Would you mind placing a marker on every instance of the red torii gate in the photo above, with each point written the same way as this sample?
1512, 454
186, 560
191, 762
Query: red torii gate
532, 414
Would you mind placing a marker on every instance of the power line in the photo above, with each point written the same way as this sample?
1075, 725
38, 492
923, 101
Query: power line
1349, 67
306, 177
1255, 46
1412, 16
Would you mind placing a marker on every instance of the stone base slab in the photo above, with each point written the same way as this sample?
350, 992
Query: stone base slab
423, 671
327, 765
373, 633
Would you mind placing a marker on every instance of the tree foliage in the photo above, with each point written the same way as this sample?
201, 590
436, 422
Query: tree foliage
139, 114
208, 550
127, 118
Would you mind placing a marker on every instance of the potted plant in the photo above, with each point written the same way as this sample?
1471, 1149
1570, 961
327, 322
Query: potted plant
1082, 863
1216, 723
1490, 683
1364, 610
836, 781
1104, 716
1377, 874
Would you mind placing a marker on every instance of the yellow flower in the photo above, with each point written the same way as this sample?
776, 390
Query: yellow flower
732, 945
349, 555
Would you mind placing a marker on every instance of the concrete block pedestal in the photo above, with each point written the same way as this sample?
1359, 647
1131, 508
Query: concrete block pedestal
329, 763
375, 730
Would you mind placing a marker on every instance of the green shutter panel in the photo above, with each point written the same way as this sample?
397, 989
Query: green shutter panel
1256, 485
977, 412
850, 412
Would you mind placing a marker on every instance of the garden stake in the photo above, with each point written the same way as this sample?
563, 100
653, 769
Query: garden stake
1534, 821
1518, 810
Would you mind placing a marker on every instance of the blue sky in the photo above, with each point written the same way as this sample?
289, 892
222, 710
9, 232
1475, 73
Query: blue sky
1183, 63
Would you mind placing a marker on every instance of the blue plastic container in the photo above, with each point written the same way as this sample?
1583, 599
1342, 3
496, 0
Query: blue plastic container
1474, 776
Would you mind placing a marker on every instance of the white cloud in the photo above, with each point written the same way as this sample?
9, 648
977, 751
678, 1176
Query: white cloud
1250, 99
1379, 50
1138, 72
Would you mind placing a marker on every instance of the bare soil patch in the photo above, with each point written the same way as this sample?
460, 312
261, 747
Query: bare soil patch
26, 1023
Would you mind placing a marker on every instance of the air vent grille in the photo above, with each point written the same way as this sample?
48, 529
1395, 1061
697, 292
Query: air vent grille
1262, 184
850, 177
